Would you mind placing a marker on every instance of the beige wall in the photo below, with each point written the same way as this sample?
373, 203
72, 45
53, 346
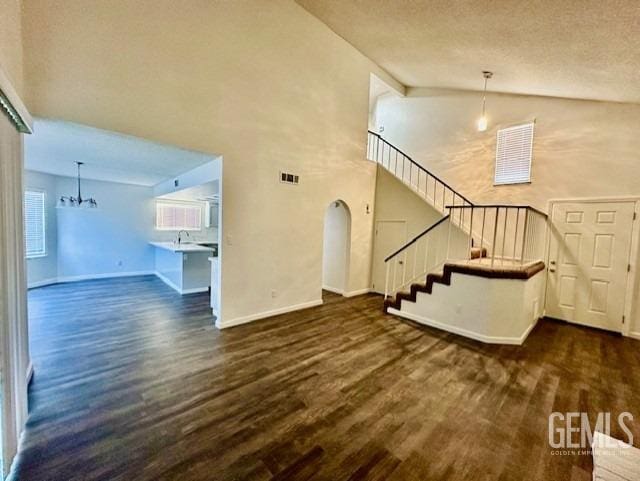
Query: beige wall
396, 202
11, 42
581, 148
595, 140
264, 84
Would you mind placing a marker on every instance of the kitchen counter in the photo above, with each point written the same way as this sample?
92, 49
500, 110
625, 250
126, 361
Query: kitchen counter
184, 247
184, 267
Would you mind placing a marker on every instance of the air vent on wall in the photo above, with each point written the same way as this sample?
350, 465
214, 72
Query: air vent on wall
288, 178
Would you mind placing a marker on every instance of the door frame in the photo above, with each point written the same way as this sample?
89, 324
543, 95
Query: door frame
632, 257
375, 235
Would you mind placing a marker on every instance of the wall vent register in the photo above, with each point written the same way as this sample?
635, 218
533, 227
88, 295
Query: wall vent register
288, 178
513, 154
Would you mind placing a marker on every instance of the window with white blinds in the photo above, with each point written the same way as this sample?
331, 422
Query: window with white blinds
513, 154
178, 216
34, 224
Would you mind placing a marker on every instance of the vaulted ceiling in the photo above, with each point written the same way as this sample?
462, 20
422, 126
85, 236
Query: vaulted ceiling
567, 48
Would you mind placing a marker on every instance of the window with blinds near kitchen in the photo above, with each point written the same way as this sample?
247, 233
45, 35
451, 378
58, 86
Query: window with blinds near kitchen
178, 216
513, 154
34, 224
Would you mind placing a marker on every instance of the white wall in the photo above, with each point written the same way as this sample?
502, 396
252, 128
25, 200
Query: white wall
44, 269
265, 84
336, 247
500, 311
112, 239
581, 148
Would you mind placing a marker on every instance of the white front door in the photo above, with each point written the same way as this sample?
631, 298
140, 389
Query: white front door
389, 237
588, 262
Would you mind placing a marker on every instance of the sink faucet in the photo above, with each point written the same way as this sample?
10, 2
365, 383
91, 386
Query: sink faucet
180, 236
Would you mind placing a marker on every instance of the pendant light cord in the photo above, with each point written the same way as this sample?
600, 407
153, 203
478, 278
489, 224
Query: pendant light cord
484, 96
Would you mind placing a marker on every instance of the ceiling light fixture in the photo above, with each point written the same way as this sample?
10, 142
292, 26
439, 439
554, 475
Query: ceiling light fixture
482, 121
71, 201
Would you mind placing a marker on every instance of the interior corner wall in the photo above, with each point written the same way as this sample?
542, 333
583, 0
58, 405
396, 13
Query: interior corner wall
582, 149
84, 243
265, 84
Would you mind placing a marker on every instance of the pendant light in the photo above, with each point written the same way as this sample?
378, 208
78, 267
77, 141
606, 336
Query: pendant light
482, 121
70, 201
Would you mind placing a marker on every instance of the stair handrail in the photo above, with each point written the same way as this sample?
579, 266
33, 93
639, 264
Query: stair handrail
512, 206
429, 257
416, 164
417, 238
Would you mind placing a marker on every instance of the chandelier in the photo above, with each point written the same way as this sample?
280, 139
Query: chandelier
70, 201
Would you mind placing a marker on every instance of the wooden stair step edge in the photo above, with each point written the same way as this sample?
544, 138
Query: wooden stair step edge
444, 277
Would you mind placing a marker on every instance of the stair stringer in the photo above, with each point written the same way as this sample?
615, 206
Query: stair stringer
498, 307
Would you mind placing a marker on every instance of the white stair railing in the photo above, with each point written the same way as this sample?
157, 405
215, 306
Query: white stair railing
512, 235
427, 252
427, 185
494, 236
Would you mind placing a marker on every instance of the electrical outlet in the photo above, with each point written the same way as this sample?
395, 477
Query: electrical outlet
274, 293
119, 263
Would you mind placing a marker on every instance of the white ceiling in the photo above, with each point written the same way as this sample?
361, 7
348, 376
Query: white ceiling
55, 146
567, 48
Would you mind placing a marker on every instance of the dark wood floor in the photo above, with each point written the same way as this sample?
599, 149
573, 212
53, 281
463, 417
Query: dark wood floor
133, 383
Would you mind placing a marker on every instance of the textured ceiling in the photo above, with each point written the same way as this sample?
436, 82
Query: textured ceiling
567, 48
56, 145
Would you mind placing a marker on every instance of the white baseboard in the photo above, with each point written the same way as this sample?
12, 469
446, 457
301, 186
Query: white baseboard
262, 315
463, 332
359, 292
42, 283
634, 335
195, 290
171, 284
29, 372
168, 282
335, 290
87, 277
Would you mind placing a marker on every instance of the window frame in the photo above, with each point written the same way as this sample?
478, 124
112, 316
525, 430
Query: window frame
44, 252
177, 203
496, 182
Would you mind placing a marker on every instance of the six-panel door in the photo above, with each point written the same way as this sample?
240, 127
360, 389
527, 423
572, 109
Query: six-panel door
588, 259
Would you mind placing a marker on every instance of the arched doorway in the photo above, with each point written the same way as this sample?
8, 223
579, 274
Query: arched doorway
336, 247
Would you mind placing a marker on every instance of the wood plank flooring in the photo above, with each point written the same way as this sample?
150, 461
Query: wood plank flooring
132, 382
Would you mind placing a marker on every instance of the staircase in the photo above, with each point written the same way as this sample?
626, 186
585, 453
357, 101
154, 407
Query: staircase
489, 240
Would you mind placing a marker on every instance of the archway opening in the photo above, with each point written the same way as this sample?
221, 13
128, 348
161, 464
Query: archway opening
336, 247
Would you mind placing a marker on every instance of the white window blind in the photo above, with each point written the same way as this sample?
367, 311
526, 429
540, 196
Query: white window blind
513, 154
178, 216
34, 224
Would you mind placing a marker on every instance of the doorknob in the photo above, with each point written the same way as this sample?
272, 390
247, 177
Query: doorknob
553, 263
551, 269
